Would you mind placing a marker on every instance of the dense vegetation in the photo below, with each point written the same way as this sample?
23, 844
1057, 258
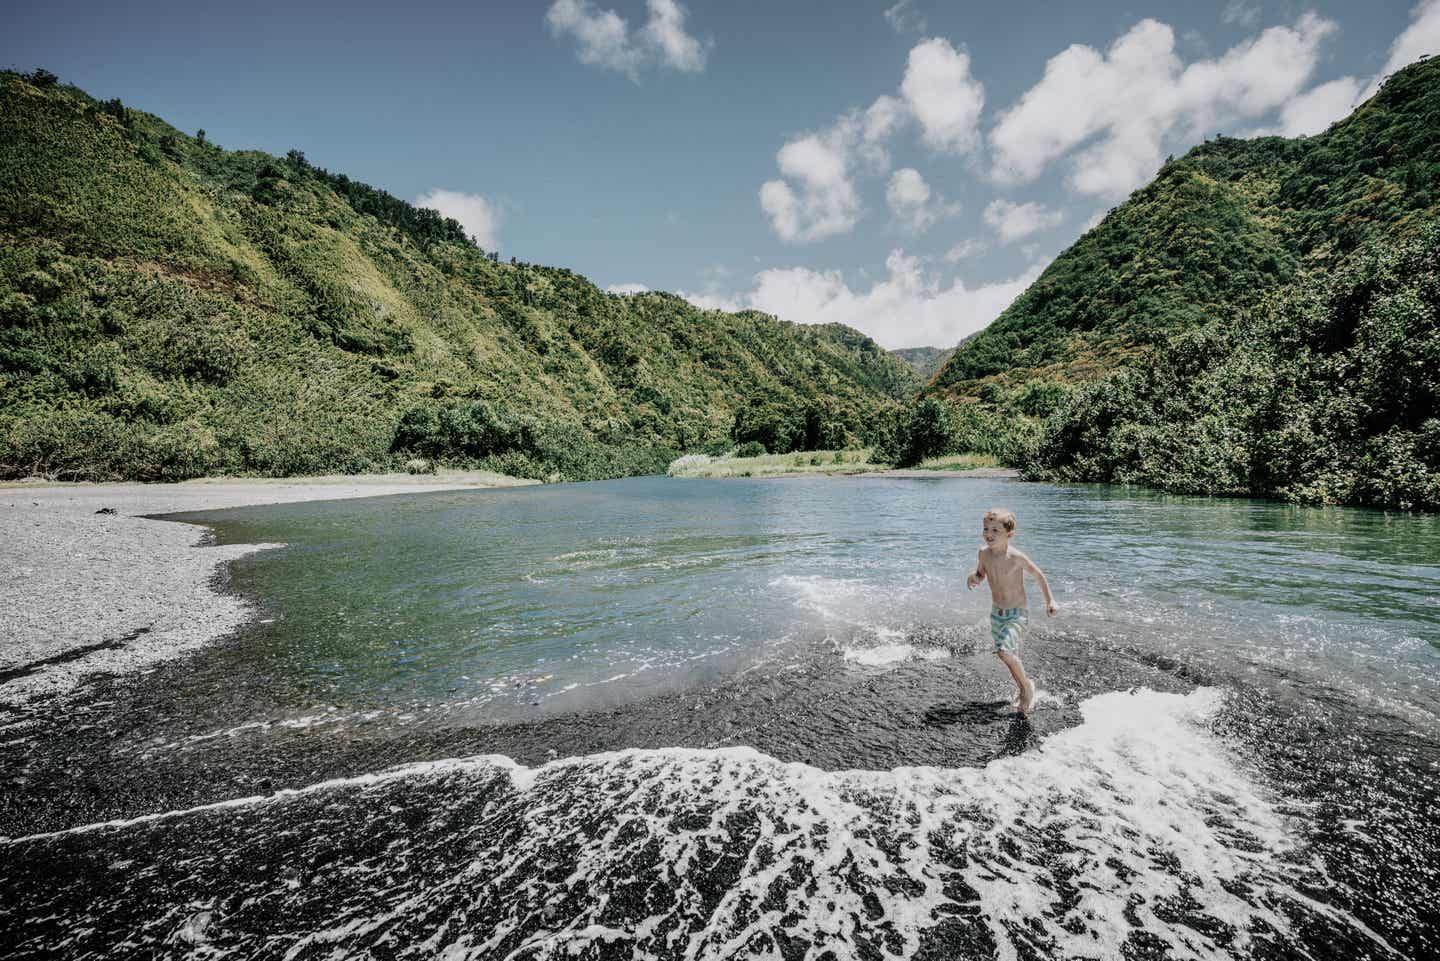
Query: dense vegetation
1327, 391
1215, 230
1260, 319
170, 309
925, 360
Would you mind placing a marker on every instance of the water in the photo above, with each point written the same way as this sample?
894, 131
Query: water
660, 718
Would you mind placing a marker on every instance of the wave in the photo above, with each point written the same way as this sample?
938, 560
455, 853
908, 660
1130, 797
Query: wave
1138, 827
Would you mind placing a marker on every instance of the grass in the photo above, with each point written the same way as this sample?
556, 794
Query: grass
959, 462
770, 465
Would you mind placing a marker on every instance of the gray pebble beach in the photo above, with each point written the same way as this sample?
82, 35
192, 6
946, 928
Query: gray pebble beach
83, 592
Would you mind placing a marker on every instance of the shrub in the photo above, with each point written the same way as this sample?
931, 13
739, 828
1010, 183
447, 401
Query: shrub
751, 448
717, 448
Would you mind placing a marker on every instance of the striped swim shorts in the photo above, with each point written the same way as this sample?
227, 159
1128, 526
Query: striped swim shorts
1006, 626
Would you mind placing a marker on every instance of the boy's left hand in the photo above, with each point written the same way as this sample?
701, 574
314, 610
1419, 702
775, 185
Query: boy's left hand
1052, 609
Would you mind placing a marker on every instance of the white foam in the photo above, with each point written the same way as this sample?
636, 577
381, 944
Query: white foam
1137, 806
882, 654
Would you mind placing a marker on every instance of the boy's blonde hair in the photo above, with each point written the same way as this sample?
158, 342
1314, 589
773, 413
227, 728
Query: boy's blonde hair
1004, 516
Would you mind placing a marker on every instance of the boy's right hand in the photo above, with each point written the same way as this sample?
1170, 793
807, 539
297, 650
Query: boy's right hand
971, 581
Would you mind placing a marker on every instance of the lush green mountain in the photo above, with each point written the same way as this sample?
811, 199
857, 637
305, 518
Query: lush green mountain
1215, 231
1327, 391
925, 360
1261, 319
169, 308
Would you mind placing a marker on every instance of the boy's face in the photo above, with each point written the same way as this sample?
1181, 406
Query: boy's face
994, 532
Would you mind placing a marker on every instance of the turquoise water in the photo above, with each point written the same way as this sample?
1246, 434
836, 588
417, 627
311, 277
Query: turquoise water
662, 719
609, 591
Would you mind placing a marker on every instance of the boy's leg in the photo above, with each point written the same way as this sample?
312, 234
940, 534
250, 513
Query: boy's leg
1017, 671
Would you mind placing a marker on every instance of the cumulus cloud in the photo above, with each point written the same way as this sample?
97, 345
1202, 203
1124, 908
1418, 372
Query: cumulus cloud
941, 94
480, 217
1012, 221
1420, 39
603, 38
910, 307
1127, 101
904, 18
964, 249
817, 197
623, 289
666, 33
1316, 109
913, 204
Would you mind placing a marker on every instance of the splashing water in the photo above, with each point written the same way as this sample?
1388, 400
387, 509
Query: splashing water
1137, 826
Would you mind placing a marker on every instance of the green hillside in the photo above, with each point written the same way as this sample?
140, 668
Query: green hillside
925, 360
1214, 231
1328, 392
170, 309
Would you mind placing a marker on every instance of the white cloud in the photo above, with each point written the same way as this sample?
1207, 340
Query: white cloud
1420, 39
1316, 109
666, 33
1246, 13
480, 217
1011, 221
826, 202
943, 96
603, 37
910, 200
964, 249
910, 307
904, 18
623, 289
817, 197
1128, 101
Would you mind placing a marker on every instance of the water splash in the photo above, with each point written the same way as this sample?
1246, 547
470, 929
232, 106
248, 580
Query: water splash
1136, 828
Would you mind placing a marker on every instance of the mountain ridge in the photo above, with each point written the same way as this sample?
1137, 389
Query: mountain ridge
170, 308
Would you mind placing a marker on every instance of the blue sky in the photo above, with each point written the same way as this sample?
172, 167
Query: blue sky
903, 166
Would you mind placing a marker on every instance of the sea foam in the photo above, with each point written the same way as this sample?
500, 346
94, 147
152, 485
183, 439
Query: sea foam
1137, 822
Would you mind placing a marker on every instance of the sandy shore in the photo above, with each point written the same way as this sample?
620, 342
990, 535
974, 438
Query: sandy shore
83, 592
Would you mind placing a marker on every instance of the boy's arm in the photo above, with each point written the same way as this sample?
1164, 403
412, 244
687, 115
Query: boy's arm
978, 574
1039, 575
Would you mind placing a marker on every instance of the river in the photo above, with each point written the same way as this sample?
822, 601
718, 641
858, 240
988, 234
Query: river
660, 718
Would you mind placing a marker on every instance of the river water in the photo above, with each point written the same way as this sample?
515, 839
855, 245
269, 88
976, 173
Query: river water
656, 718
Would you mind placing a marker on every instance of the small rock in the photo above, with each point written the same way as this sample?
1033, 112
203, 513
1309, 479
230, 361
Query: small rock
106, 510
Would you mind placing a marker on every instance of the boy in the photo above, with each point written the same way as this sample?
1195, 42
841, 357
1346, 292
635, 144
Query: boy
1005, 569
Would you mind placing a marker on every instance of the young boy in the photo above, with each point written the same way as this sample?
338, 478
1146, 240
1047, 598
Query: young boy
1005, 569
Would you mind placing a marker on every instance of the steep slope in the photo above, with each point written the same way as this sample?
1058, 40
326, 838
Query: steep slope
1327, 391
1213, 232
168, 309
925, 360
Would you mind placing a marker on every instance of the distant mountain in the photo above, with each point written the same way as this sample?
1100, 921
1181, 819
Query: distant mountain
1212, 233
169, 309
925, 360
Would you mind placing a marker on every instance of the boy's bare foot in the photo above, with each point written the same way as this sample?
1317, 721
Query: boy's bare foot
1027, 699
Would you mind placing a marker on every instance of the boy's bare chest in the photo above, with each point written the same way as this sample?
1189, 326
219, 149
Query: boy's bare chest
1004, 568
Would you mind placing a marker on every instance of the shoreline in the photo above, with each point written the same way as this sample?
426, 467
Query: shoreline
974, 473
113, 593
